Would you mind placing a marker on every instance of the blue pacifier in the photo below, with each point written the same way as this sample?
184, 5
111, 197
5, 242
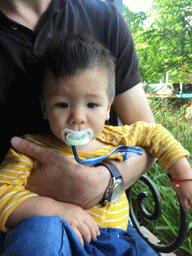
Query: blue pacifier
82, 138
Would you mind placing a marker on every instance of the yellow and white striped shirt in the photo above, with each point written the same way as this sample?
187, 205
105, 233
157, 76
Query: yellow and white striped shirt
16, 167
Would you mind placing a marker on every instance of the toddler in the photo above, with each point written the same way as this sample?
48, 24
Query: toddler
78, 89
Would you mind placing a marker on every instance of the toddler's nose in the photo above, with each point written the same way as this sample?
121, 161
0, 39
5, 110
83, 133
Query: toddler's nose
77, 117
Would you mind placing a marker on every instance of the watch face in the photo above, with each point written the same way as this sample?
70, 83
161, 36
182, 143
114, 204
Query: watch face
118, 189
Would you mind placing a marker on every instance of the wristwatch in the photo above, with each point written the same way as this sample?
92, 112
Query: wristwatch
116, 184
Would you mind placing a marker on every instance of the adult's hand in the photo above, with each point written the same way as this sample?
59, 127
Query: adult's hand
62, 178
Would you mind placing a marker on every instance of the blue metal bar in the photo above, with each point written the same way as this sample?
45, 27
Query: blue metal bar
184, 95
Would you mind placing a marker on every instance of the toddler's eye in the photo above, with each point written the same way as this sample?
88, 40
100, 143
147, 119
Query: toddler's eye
91, 105
62, 105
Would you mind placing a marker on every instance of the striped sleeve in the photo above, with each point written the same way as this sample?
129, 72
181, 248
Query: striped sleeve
158, 141
14, 171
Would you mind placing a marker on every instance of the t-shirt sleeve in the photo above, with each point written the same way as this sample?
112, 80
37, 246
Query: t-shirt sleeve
127, 70
102, 21
14, 171
157, 140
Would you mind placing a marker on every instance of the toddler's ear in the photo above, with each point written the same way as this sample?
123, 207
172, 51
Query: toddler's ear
44, 110
108, 113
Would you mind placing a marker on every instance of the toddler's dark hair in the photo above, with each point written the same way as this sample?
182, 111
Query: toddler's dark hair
66, 55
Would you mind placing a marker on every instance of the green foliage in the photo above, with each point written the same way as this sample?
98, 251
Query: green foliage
179, 74
172, 116
135, 20
167, 226
163, 39
165, 44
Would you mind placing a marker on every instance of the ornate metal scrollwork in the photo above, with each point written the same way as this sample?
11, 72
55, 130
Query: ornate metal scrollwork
154, 216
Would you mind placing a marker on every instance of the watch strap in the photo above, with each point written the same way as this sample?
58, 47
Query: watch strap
114, 174
112, 169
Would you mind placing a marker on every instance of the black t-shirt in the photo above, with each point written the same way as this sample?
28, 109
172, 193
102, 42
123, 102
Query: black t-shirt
20, 110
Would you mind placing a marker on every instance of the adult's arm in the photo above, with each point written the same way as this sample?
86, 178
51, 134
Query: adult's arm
132, 106
63, 179
134, 101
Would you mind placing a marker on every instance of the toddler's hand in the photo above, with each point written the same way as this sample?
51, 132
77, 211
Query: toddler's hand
184, 191
80, 221
180, 170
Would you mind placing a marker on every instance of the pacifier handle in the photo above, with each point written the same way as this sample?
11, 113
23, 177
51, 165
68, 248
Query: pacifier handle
81, 138
77, 138
126, 150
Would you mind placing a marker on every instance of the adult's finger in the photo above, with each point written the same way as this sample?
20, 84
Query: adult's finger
30, 149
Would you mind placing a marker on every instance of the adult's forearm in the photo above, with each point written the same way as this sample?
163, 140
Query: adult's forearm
133, 168
63, 179
83, 185
94, 180
91, 186
88, 186
132, 106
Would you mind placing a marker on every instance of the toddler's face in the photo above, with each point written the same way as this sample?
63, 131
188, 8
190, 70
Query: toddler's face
78, 102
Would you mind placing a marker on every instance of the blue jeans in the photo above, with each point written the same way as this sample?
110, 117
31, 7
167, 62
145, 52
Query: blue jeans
52, 236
